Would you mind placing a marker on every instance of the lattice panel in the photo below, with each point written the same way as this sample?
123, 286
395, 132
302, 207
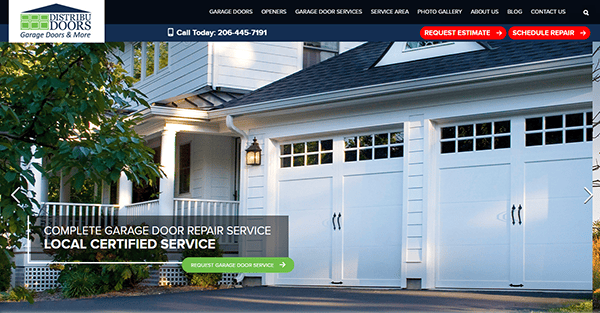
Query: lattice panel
40, 278
228, 279
172, 276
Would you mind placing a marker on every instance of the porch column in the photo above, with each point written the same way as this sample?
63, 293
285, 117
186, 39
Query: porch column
167, 183
125, 191
65, 188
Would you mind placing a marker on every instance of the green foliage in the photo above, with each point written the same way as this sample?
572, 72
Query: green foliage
5, 271
105, 277
17, 294
90, 191
203, 279
80, 283
585, 306
64, 103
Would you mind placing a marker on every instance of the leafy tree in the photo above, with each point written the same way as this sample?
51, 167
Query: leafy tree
65, 104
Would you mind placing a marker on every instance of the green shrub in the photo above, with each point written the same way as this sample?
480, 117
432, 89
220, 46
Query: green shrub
203, 279
5, 271
80, 283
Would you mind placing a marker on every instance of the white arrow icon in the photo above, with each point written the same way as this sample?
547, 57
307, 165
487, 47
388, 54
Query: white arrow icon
590, 197
583, 33
282, 264
499, 33
13, 195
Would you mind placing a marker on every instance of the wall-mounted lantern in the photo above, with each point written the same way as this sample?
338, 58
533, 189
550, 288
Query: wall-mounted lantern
253, 153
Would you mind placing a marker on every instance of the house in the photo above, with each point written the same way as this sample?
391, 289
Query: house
428, 165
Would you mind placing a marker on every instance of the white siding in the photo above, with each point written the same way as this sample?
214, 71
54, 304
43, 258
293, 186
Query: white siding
250, 65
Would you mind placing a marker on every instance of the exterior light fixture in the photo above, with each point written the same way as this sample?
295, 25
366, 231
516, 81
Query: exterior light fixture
253, 153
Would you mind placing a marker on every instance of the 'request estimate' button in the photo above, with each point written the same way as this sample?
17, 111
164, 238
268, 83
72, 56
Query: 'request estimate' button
463, 32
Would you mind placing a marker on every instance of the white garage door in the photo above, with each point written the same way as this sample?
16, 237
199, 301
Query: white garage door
341, 195
511, 211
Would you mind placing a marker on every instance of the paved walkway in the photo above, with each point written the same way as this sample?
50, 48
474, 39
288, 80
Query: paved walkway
308, 299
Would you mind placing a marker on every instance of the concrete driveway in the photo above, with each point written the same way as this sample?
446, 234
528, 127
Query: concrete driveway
252, 299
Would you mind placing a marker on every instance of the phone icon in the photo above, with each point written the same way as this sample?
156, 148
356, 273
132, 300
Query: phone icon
170, 32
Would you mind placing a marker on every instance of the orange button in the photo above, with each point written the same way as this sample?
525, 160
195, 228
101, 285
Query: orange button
463, 32
549, 33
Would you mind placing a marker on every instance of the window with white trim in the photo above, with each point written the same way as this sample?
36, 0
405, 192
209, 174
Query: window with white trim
149, 58
306, 153
475, 137
374, 146
558, 129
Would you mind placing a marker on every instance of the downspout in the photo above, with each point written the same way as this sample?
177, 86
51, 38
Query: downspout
232, 127
229, 123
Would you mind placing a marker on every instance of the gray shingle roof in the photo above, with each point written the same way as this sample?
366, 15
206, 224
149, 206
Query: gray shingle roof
355, 68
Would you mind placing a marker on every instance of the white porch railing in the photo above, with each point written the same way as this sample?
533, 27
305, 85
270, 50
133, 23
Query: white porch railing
207, 212
202, 207
141, 208
74, 214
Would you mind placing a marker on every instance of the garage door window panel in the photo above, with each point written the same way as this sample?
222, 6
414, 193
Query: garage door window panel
475, 137
374, 146
558, 129
307, 153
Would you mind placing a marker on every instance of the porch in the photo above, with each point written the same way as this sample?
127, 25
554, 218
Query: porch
201, 164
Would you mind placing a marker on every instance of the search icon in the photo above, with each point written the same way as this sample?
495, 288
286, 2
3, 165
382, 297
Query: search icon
586, 12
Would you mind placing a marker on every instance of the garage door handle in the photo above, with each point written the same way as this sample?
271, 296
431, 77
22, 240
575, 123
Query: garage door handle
333, 221
519, 214
339, 225
512, 213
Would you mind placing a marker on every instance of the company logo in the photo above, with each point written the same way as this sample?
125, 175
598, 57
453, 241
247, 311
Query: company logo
49, 21
56, 17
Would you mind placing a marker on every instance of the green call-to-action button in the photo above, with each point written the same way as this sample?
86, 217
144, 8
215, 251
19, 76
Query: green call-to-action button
238, 265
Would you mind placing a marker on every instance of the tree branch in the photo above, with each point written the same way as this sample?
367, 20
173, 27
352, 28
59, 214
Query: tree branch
26, 139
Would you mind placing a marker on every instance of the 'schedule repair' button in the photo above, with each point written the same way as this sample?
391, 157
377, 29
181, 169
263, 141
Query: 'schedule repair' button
238, 265
549, 33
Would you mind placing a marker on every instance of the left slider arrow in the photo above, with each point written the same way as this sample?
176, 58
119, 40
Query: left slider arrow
13, 195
